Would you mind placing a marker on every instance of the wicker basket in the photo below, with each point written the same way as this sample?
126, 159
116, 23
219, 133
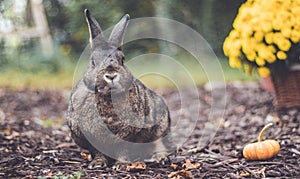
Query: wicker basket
287, 89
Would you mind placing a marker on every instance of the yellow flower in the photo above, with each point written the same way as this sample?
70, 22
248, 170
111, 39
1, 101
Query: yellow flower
248, 46
281, 55
236, 44
260, 61
264, 51
271, 58
247, 30
232, 52
271, 48
277, 23
235, 63
295, 35
284, 44
234, 34
226, 46
297, 23
258, 36
296, 10
267, 26
264, 71
251, 56
263, 32
269, 38
286, 32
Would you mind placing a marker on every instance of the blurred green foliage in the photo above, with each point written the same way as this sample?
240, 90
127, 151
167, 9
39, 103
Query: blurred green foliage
68, 29
212, 19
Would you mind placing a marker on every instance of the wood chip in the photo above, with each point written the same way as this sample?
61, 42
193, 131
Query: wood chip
183, 173
189, 165
244, 174
136, 166
174, 166
295, 151
86, 156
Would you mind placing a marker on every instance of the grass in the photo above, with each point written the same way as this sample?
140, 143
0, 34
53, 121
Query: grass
188, 73
60, 175
42, 80
154, 75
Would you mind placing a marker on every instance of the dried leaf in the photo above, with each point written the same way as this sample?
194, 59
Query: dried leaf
174, 166
240, 109
136, 166
244, 174
183, 173
6, 131
224, 123
13, 135
50, 174
189, 165
86, 156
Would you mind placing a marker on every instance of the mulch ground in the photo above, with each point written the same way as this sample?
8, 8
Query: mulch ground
35, 142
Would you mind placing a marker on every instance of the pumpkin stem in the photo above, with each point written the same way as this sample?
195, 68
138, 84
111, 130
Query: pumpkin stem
262, 132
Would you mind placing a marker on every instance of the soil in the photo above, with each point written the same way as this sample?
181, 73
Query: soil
35, 141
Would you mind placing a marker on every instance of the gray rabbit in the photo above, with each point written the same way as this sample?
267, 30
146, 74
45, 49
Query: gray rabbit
111, 113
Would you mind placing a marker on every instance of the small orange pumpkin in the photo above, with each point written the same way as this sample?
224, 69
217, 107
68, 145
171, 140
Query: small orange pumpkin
261, 150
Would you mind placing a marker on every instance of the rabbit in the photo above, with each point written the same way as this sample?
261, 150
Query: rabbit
110, 108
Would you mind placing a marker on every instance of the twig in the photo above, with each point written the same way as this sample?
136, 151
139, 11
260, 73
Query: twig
71, 162
248, 170
218, 164
265, 163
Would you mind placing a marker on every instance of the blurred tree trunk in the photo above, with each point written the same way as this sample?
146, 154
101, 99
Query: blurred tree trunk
207, 18
41, 26
39, 30
162, 9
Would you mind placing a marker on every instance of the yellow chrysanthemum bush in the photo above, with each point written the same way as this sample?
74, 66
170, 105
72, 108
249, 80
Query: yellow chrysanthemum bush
265, 36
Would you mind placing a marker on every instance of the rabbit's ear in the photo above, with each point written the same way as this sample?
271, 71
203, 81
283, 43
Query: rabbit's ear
117, 34
96, 36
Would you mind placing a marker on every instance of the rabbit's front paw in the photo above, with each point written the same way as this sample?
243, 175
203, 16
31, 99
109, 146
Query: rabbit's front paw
160, 157
120, 166
98, 162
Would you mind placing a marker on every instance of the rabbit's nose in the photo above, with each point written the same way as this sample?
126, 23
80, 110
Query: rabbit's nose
111, 77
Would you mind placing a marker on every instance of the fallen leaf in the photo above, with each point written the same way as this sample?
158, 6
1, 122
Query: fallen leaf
244, 174
183, 173
174, 166
136, 166
50, 174
240, 109
86, 156
189, 165
6, 131
13, 135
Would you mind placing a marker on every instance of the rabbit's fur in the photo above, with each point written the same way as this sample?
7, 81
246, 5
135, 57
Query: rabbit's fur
110, 100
